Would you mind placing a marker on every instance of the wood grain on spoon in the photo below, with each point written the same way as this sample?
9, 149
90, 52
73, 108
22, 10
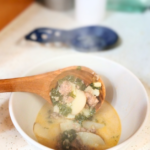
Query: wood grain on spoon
43, 83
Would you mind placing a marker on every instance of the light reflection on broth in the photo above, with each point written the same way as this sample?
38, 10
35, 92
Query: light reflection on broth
47, 129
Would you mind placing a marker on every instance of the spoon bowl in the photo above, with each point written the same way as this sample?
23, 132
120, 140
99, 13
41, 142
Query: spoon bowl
42, 84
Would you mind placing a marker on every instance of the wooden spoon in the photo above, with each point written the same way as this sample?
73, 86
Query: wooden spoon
42, 84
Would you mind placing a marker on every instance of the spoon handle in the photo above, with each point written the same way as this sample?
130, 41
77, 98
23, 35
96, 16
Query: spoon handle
38, 84
17, 84
48, 35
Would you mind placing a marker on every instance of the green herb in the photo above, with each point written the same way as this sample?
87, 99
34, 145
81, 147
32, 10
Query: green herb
81, 117
79, 83
55, 93
69, 134
115, 136
72, 94
93, 87
54, 101
92, 111
83, 87
78, 80
64, 109
60, 81
74, 80
66, 138
71, 78
79, 68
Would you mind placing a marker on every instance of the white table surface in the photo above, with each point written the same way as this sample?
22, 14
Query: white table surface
16, 58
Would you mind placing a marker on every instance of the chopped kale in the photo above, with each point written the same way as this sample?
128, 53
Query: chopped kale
71, 78
69, 134
92, 111
54, 101
67, 78
78, 80
60, 81
81, 117
92, 85
55, 93
79, 83
83, 87
72, 94
64, 109
66, 138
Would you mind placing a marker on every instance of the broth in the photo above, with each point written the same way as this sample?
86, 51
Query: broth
47, 128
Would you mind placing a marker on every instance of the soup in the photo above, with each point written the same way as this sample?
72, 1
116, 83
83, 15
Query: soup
73, 123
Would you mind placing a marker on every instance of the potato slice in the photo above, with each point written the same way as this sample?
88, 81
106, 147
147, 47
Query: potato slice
78, 103
90, 124
47, 136
92, 91
69, 124
40, 131
56, 109
89, 89
90, 139
97, 84
86, 112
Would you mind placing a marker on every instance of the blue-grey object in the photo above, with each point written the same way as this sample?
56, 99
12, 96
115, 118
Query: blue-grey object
82, 39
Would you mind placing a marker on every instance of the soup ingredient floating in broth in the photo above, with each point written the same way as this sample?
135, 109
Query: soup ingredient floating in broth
73, 98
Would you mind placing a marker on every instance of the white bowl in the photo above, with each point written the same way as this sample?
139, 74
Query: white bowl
123, 90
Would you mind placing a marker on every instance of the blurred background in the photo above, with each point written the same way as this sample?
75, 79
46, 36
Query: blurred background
9, 9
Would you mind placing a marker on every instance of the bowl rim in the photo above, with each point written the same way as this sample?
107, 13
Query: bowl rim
35, 143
